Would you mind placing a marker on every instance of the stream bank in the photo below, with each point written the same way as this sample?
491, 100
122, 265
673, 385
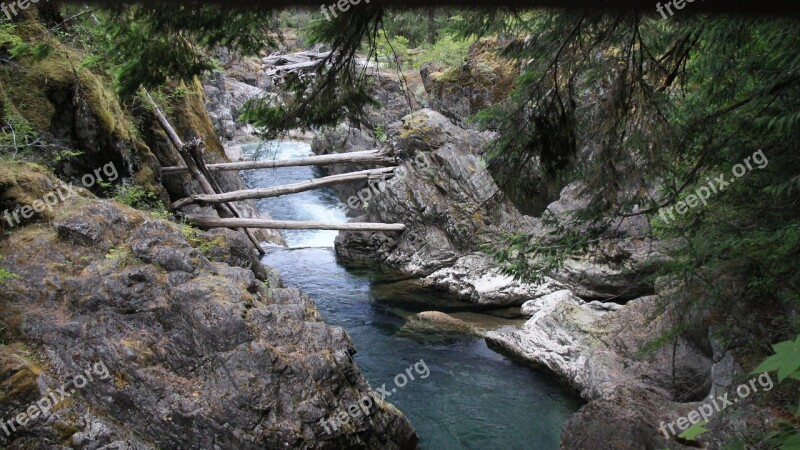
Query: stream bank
474, 398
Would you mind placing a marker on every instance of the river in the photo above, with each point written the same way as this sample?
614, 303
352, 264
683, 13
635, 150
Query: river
474, 398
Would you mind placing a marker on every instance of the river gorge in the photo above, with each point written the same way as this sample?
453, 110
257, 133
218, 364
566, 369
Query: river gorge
474, 398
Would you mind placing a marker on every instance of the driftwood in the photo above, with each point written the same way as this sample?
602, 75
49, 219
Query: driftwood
293, 58
278, 191
293, 68
369, 157
212, 222
190, 153
279, 65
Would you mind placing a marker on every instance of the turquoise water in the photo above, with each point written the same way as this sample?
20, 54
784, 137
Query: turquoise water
473, 398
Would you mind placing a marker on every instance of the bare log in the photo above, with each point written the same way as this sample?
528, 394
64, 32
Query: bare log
223, 209
369, 157
294, 67
287, 189
294, 58
213, 222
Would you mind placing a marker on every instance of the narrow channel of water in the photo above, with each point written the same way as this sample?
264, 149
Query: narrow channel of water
474, 398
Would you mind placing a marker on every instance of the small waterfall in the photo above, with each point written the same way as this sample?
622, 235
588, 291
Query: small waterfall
320, 205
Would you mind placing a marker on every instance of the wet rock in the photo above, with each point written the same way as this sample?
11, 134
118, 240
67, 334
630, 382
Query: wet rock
434, 322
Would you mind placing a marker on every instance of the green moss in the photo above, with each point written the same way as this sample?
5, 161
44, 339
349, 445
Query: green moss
41, 87
190, 117
19, 376
5, 275
119, 257
197, 241
24, 183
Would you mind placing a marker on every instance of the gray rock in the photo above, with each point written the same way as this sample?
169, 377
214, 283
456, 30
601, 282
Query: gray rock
197, 351
595, 351
476, 279
625, 419
225, 97
444, 195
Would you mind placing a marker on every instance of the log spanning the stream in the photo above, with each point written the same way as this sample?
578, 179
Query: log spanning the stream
188, 153
212, 222
277, 191
369, 157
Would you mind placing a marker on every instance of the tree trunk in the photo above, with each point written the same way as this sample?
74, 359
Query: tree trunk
369, 157
224, 210
287, 189
431, 26
213, 222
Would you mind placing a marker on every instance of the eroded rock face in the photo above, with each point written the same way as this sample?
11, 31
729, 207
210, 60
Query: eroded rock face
596, 350
623, 420
617, 267
200, 353
483, 80
475, 278
452, 206
225, 98
609, 354
446, 198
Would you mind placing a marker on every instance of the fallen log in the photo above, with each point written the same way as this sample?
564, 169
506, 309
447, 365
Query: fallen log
213, 222
224, 209
277, 191
294, 67
369, 157
294, 58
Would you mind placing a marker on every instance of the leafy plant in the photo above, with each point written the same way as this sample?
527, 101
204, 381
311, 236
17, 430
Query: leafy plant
694, 431
380, 134
140, 198
786, 362
120, 256
6, 275
205, 246
17, 135
147, 45
68, 155
36, 51
449, 51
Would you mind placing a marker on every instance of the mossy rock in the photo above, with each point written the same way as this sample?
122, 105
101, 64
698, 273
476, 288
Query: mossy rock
65, 102
18, 378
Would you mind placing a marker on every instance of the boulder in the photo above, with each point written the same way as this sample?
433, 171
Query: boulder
443, 194
197, 350
595, 350
434, 322
476, 278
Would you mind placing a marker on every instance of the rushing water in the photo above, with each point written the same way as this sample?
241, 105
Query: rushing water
473, 398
